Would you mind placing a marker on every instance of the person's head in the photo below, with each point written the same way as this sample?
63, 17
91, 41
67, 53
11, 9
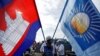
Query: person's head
49, 40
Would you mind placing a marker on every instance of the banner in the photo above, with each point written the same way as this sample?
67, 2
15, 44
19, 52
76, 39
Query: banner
81, 24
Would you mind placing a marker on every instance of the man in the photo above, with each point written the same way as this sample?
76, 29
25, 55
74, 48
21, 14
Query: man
60, 48
47, 48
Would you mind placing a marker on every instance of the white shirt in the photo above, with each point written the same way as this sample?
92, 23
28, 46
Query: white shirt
42, 47
60, 49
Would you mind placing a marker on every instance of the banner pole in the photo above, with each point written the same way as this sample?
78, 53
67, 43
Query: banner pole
43, 33
60, 18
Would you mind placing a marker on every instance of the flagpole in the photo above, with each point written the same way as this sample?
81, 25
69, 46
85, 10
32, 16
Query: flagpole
41, 29
41, 26
60, 18
42, 32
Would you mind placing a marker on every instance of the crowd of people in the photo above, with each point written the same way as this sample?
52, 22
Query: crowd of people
48, 48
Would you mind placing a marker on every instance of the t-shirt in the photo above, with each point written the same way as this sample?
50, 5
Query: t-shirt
60, 49
48, 51
44, 44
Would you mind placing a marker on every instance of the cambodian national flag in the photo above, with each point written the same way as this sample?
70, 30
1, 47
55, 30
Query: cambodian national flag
19, 22
81, 24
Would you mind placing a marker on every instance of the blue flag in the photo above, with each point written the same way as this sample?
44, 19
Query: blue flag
81, 24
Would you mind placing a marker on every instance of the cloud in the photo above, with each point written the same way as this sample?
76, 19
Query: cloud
49, 12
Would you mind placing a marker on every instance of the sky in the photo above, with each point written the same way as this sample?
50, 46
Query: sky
49, 13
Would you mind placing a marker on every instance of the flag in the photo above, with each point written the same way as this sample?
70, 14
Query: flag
19, 22
81, 24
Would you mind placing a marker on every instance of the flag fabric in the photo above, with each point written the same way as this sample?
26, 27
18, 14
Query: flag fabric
19, 22
81, 24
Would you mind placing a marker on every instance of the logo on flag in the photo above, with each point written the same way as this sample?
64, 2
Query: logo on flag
14, 31
84, 23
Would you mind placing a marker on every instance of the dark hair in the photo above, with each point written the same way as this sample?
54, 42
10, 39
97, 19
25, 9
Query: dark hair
49, 42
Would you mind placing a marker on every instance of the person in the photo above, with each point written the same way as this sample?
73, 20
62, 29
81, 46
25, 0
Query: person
60, 48
47, 48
